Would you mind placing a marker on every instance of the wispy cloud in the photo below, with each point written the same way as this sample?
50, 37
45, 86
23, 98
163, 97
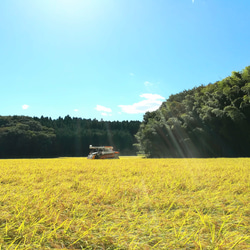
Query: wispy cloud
105, 114
131, 74
76, 110
103, 109
152, 103
147, 83
192, 1
25, 106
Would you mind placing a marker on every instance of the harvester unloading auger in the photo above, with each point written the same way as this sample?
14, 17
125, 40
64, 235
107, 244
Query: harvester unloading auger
102, 152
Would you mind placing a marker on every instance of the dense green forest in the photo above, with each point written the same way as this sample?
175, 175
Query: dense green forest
206, 121
22, 136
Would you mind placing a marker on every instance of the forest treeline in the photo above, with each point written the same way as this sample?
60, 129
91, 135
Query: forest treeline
22, 136
206, 121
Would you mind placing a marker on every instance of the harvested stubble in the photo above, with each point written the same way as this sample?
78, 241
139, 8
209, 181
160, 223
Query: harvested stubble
130, 203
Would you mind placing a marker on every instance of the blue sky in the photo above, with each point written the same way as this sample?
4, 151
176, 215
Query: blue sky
115, 59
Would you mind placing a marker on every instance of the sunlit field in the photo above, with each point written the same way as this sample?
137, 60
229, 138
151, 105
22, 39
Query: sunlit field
131, 203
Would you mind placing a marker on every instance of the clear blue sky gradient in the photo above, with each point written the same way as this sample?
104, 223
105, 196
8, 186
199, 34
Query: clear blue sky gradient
115, 59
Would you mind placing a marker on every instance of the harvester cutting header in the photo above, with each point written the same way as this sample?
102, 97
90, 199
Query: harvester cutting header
102, 152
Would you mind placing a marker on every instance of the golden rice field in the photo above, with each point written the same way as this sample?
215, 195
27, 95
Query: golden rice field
131, 203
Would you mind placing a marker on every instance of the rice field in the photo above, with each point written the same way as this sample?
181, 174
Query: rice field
131, 203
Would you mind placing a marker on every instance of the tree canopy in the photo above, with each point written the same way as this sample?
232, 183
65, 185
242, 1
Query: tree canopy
22, 136
206, 121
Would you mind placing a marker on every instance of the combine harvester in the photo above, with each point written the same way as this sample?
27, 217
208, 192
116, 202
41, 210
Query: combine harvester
102, 152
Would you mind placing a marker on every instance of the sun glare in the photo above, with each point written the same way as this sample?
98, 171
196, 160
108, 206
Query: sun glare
61, 11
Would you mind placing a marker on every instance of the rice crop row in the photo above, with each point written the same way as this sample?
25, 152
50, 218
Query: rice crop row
131, 203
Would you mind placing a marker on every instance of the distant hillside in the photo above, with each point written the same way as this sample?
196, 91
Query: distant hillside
206, 121
22, 136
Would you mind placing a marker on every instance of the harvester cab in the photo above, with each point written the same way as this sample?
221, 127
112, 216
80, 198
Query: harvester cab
102, 152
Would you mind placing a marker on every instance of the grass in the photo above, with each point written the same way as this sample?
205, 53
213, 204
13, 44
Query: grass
131, 203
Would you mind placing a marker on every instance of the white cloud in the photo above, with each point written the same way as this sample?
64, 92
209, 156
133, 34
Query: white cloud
152, 96
192, 1
76, 110
148, 83
131, 74
152, 103
25, 106
105, 114
102, 108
